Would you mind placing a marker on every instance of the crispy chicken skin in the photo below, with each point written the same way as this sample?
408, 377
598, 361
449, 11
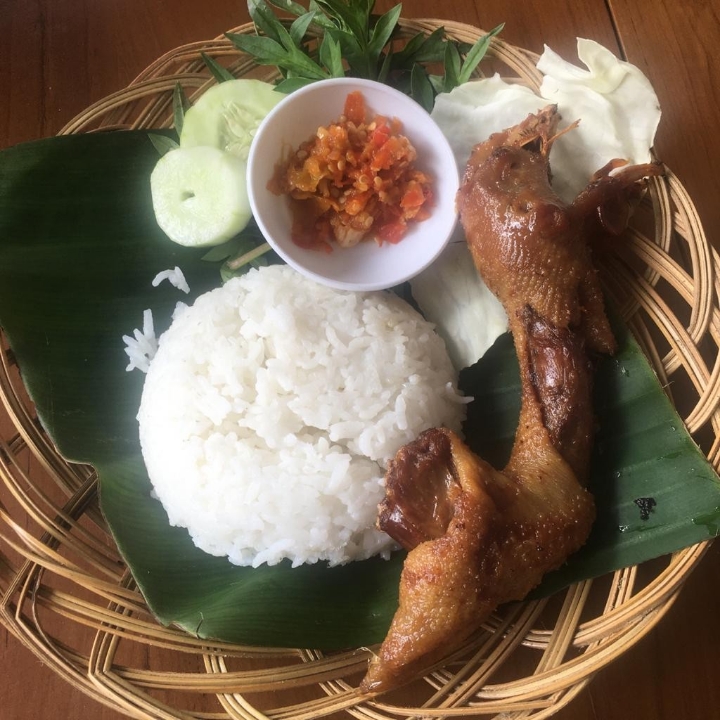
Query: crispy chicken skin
477, 536
503, 534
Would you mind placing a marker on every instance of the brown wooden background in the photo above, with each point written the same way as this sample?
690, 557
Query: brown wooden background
59, 56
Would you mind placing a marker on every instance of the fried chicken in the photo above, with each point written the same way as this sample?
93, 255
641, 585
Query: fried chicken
479, 537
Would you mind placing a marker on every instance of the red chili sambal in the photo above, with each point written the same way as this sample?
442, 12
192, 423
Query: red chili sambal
354, 180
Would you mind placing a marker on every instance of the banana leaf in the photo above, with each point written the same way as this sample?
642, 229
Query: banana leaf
79, 247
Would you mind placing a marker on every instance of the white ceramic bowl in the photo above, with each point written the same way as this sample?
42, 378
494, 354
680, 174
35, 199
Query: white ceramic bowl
366, 266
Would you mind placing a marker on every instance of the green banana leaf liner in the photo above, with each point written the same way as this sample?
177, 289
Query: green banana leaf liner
79, 247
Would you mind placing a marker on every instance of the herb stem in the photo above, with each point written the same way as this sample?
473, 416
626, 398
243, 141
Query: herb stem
238, 262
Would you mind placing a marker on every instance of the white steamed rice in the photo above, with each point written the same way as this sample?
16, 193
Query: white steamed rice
175, 277
141, 346
273, 405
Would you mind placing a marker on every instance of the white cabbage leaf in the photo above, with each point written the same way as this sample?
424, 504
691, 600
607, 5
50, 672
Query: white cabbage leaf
619, 114
466, 315
617, 108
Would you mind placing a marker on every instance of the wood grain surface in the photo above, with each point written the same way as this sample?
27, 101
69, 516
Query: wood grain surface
59, 56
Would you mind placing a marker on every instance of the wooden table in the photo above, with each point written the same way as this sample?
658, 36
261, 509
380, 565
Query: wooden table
58, 56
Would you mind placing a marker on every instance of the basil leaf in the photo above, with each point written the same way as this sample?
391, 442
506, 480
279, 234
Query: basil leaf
220, 73
264, 19
291, 84
300, 27
382, 32
453, 63
331, 56
421, 90
297, 60
321, 19
351, 51
421, 48
180, 105
363, 41
292, 7
224, 251
354, 16
477, 53
266, 51
286, 40
437, 82
162, 143
384, 71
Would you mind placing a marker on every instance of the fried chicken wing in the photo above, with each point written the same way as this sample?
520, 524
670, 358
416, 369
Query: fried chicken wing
477, 536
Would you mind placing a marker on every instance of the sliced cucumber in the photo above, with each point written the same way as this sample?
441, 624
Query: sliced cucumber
227, 115
200, 195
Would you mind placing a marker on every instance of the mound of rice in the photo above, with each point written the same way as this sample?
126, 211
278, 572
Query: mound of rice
272, 407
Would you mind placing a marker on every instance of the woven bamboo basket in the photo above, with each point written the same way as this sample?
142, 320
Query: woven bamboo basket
59, 568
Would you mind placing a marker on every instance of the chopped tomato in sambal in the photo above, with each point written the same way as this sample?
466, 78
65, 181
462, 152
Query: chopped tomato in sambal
354, 180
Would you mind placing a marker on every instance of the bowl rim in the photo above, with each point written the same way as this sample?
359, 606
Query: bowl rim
442, 150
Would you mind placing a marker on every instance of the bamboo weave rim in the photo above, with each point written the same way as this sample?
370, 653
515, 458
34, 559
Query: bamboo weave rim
59, 567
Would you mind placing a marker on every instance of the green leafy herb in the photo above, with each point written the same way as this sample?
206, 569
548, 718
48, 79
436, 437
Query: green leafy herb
300, 27
422, 49
331, 56
477, 53
453, 66
282, 52
239, 254
220, 73
292, 84
264, 18
218, 253
297, 9
162, 143
334, 38
180, 105
421, 88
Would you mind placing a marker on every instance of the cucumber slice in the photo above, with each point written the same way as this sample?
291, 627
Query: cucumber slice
227, 115
199, 195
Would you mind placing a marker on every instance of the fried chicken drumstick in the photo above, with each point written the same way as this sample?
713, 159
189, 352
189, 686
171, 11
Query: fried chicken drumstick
477, 536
